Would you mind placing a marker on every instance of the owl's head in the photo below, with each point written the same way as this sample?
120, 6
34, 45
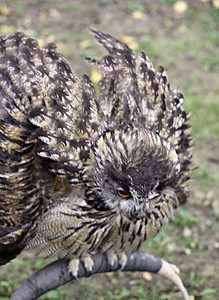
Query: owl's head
140, 150
133, 169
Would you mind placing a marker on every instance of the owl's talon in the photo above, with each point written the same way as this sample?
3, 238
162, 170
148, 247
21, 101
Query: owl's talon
75, 275
122, 265
122, 260
112, 259
115, 258
88, 264
73, 268
89, 271
112, 263
171, 272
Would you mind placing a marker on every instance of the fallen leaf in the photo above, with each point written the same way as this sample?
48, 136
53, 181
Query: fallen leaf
188, 251
42, 16
4, 10
51, 38
182, 28
95, 76
27, 22
138, 15
130, 41
54, 13
85, 44
215, 3
180, 7
187, 232
147, 276
41, 42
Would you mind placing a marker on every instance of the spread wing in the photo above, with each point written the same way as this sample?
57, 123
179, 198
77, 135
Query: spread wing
45, 130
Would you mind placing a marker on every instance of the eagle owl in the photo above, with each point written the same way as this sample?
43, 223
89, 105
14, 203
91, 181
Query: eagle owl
80, 172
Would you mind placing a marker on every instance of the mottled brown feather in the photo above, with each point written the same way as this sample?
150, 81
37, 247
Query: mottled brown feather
65, 152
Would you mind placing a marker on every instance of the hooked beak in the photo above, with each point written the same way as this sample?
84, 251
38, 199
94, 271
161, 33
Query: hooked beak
135, 213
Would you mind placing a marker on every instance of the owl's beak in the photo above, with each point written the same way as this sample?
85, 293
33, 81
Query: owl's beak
135, 213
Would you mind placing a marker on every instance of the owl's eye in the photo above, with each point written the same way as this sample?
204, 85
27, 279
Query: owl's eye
123, 193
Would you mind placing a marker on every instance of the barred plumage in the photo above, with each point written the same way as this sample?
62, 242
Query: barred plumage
81, 174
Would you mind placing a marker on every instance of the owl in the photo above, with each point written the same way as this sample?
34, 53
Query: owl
82, 172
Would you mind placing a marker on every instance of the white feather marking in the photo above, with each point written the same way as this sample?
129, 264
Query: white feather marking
50, 140
43, 154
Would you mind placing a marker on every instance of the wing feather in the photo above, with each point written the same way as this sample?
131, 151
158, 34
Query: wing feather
45, 128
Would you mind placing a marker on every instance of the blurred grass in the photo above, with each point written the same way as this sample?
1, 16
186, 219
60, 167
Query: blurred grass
187, 46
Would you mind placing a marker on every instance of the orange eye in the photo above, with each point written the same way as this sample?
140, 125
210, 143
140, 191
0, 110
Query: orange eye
123, 194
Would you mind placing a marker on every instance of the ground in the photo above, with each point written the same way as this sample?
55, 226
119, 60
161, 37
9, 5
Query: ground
183, 37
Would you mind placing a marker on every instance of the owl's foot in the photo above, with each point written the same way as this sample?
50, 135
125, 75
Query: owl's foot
171, 272
73, 265
88, 263
120, 257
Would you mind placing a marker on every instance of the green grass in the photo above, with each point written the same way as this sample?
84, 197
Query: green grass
67, 6
192, 63
184, 219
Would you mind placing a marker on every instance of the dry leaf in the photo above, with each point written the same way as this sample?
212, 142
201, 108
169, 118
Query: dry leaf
85, 44
27, 22
4, 10
41, 42
95, 76
147, 276
54, 13
51, 38
182, 29
215, 3
187, 232
188, 251
138, 15
130, 41
42, 16
180, 7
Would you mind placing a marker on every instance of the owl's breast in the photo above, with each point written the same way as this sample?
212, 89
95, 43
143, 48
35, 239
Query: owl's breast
127, 235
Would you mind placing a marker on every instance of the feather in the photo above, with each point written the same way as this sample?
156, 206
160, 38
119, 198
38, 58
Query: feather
68, 158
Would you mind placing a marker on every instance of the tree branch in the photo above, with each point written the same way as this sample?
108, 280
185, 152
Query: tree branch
56, 274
